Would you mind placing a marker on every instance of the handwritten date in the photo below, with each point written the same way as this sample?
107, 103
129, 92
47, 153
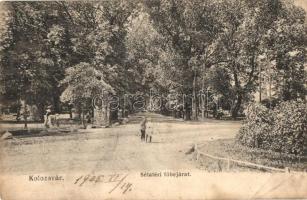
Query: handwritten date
119, 181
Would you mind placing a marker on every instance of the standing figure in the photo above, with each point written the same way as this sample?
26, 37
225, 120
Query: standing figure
47, 121
150, 131
143, 128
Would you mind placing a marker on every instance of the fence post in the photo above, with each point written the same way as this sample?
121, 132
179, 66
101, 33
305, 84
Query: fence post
219, 165
228, 164
196, 151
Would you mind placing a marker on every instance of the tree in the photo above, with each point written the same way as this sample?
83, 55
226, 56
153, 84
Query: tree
167, 45
242, 45
83, 83
190, 29
219, 81
43, 39
286, 48
37, 53
24, 61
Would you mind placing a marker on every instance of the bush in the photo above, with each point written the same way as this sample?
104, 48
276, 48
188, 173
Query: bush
282, 129
290, 129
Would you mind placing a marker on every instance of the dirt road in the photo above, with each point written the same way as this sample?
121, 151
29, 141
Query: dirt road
116, 148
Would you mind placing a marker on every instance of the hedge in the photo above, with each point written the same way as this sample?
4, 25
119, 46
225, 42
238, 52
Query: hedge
282, 129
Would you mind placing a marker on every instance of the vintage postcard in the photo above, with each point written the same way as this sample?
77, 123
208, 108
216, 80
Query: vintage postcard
153, 99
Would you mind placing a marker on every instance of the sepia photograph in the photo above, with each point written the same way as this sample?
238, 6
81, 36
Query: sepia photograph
153, 99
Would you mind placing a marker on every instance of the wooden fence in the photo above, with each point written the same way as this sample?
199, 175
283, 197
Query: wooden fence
229, 160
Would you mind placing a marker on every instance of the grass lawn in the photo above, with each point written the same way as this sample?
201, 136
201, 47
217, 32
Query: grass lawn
229, 148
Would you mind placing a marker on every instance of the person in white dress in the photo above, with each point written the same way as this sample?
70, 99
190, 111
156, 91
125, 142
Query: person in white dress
149, 131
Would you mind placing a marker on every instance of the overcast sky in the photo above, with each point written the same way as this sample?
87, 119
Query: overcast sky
302, 3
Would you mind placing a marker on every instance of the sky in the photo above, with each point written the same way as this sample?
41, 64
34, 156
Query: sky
302, 3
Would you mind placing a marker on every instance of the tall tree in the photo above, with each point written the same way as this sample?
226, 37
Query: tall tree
266, 30
190, 29
46, 38
286, 47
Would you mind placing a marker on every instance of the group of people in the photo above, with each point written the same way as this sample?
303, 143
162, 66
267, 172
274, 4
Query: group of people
146, 130
50, 118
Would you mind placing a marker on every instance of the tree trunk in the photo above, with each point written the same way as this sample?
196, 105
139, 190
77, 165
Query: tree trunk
187, 115
70, 111
194, 99
83, 119
236, 108
41, 108
56, 103
203, 109
18, 113
25, 115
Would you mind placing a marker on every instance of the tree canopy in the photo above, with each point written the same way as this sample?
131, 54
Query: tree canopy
59, 52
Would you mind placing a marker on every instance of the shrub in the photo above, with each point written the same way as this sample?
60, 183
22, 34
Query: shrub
282, 129
257, 124
290, 128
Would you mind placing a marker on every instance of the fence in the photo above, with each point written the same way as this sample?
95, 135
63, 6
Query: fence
228, 160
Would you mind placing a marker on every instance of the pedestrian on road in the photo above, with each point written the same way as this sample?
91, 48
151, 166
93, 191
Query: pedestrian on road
143, 128
150, 131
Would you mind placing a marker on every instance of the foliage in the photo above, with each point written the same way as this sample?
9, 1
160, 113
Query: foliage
40, 40
144, 54
83, 82
189, 30
219, 80
282, 129
31, 68
164, 45
256, 127
290, 127
288, 57
254, 32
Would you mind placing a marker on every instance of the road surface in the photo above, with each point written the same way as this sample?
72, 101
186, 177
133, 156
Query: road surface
116, 148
